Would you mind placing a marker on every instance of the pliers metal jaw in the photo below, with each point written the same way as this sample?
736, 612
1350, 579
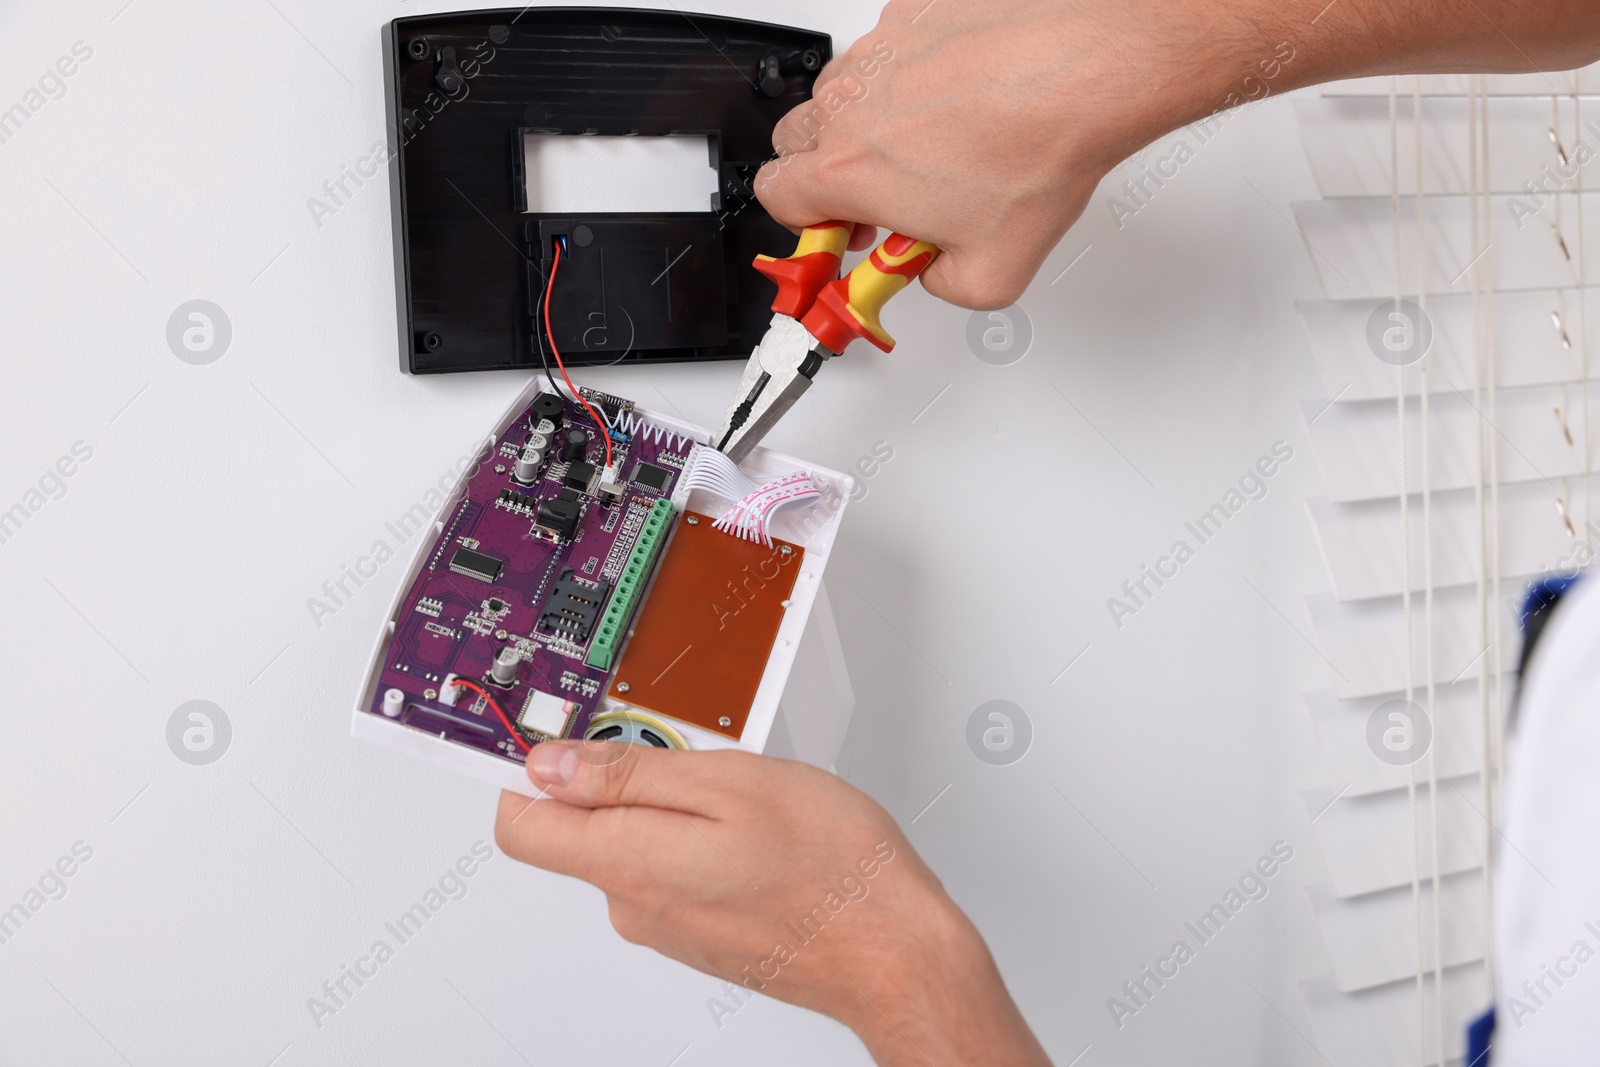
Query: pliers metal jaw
776, 375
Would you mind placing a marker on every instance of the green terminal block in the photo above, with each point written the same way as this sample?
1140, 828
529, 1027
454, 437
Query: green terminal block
630, 583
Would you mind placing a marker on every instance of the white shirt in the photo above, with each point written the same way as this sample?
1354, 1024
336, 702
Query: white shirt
1547, 880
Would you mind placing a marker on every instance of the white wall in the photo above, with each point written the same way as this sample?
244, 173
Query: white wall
219, 498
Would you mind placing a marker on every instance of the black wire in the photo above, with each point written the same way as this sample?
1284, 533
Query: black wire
538, 333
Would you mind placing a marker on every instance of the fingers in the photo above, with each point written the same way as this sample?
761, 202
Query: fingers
798, 130
978, 281
591, 774
802, 189
782, 189
863, 237
606, 847
548, 834
979, 277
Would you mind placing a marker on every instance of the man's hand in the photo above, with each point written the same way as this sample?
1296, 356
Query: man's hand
984, 126
777, 877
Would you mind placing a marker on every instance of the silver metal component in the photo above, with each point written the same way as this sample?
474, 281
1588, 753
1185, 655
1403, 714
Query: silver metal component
539, 441
526, 469
724, 721
500, 635
692, 520
775, 376
785, 550
429, 694
504, 669
623, 687
499, 468
544, 427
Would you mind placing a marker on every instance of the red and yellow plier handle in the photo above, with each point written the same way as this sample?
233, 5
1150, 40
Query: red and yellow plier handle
837, 310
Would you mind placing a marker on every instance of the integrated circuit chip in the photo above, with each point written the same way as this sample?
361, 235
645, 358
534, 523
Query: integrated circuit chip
650, 476
479, 565
546, 713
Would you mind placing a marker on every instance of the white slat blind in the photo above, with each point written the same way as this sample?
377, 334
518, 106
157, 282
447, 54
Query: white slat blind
1450, 481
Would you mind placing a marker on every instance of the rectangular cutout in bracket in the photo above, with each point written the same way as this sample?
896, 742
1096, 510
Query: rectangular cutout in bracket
567, 174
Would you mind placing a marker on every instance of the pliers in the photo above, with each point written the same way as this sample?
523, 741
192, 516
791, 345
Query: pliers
815, 317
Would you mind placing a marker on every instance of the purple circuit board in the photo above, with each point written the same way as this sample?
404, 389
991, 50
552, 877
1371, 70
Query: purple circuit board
452, 622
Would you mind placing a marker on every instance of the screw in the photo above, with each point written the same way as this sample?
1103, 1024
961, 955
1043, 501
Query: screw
623, 687
724, 721
500, 635
430, 693
785, 550
693, 520
499, 468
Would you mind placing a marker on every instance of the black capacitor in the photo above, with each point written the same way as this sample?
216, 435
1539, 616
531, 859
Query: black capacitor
574, 444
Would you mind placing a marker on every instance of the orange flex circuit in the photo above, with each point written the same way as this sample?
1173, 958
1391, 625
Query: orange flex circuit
814, 264
849, 308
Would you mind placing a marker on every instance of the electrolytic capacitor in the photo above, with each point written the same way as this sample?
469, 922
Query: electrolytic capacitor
504, 670
574, 443
526, 467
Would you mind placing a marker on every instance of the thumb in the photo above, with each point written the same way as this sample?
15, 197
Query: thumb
604, 774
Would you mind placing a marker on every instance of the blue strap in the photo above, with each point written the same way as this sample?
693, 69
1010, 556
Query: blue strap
1480, 1031
1542, 594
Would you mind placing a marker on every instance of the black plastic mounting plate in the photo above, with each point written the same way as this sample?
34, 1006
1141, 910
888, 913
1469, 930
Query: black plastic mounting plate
466, 88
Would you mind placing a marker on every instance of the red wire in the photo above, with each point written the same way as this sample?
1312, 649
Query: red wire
548, 287
484, 693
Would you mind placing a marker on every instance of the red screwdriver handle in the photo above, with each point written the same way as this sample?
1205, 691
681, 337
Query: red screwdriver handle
814, 264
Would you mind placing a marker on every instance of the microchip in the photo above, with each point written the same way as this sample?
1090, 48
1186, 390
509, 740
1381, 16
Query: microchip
579, 475
546, 713
572, 607
652, 477
477, 565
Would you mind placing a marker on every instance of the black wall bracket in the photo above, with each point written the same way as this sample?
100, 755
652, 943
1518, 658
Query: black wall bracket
465, 89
